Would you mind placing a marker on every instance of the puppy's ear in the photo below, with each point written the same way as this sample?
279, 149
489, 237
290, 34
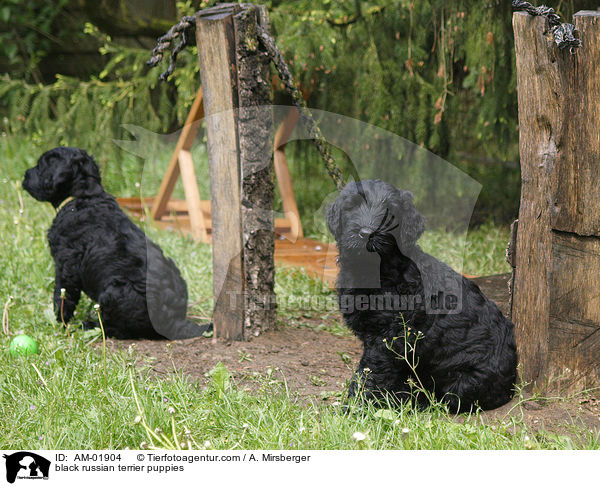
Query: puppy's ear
333, 217
412, 222
87, 180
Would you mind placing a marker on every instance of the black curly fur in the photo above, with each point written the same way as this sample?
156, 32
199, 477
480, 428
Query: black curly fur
99, 251
464, 348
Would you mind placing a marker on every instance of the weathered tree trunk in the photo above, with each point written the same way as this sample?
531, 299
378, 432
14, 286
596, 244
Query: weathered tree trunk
239, 128
255, 125
556, 281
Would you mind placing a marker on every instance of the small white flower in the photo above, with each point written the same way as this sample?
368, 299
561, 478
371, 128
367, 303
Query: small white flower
96, 307
528, 444
405, 430
63, 293
359, 436
171, 410
137, 419
207, 444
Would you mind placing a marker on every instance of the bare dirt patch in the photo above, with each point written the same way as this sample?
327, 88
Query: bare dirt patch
311, 361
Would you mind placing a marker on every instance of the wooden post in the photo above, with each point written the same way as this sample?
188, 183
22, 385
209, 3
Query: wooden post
233, 76
556, 289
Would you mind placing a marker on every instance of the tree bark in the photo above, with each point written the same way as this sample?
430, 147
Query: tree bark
555, 303
255, 126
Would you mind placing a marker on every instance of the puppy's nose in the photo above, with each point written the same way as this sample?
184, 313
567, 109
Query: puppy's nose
365, 233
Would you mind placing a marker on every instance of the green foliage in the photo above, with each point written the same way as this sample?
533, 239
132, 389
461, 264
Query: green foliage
90, 113
439, 73
407, 66
24, 33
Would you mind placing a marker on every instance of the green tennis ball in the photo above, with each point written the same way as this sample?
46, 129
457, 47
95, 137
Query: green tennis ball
23, 345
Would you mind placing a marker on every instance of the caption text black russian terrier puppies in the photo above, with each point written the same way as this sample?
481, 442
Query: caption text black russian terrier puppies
419, 321
99, 251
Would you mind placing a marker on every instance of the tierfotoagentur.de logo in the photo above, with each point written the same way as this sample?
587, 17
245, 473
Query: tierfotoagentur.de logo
26, 465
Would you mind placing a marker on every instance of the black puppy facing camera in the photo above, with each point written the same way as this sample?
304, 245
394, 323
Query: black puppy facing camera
99, 251
420, 322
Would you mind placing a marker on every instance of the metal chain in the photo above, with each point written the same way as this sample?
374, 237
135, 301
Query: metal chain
564, 34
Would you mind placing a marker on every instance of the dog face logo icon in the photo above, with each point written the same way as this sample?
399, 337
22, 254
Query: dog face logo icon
26, 464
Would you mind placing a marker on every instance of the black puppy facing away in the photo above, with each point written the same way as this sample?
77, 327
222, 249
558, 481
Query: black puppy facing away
420, 322
99, 251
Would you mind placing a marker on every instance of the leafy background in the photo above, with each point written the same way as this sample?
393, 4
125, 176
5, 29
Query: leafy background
438, 72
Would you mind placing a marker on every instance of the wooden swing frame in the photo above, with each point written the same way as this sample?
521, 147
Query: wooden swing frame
193, 215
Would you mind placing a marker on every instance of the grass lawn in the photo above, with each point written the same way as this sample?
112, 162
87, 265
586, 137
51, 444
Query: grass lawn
70, 396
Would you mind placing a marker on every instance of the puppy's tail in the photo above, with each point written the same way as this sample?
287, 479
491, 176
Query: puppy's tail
184, 330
